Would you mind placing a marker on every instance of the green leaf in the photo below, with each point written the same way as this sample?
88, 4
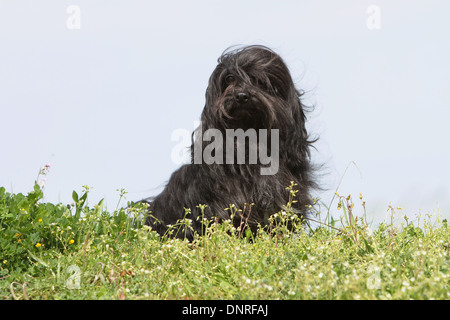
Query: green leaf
35, 195
75, 196
83, 198
45, 264
99, 208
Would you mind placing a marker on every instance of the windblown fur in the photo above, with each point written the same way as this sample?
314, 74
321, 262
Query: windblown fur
251, 88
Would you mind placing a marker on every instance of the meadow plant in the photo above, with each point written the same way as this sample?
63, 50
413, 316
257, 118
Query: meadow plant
75, 251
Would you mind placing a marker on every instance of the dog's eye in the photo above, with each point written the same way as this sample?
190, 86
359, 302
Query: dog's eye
229, 79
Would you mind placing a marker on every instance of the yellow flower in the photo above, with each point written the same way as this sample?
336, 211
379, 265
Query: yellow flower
19, 240
71, 241
5, 261
40, 220
37, 245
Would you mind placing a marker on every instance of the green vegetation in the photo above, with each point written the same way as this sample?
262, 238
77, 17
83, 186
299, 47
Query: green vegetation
52, 251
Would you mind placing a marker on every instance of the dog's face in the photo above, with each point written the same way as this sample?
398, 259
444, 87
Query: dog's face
250, 88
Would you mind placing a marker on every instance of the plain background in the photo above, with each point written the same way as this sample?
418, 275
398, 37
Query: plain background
100, 103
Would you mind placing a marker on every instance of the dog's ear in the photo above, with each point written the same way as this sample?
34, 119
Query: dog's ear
212, 96
208, 117
297, 143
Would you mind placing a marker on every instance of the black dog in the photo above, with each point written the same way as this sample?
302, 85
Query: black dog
250, 97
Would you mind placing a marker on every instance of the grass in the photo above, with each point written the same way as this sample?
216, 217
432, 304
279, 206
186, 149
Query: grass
76, 251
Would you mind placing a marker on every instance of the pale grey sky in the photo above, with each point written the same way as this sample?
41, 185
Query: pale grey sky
100, 103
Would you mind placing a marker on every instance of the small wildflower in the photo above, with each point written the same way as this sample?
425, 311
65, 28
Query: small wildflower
40, 220
71, 241
41, 182
37, 245
5, 261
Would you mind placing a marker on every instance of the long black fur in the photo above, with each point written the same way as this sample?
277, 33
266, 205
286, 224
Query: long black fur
251, 87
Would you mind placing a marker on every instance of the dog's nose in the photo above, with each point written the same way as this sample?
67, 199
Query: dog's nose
242, 97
